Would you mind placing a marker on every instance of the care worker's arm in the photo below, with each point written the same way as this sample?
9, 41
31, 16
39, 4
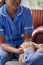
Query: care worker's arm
27, 25
26, 40
27, 37
7, 47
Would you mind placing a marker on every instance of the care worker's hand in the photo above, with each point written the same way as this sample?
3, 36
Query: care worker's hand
20, 50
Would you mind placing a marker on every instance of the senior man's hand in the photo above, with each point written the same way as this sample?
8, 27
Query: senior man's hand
28, 46
40, 48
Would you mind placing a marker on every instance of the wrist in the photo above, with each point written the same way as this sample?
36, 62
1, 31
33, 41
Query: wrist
16, 51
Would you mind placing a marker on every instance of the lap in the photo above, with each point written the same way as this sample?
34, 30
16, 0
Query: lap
4, 55
2, 52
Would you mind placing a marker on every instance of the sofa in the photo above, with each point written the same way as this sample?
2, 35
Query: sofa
37, 35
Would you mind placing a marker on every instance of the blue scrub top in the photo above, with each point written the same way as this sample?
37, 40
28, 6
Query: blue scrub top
13, 29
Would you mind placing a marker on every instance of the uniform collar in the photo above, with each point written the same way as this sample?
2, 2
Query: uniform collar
19, 11
4, 12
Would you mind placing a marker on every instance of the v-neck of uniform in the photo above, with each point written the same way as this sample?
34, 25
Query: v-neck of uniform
18, 13
10, 19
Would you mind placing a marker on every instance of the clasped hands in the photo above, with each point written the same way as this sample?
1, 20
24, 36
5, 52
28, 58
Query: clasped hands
31, 46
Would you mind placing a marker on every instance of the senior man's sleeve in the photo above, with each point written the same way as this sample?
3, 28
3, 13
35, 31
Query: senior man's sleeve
1, 27
28, 25
28, 56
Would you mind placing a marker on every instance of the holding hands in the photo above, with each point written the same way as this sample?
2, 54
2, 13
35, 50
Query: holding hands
31, 46
28, 46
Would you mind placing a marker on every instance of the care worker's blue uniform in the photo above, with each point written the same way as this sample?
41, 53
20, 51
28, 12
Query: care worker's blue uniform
13, 29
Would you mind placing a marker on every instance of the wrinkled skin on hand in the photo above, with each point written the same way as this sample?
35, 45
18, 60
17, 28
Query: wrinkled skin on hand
40, 48
32, 46
28, 46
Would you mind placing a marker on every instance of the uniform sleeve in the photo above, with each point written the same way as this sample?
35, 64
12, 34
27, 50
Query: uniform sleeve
28, 56
28, 25
1, 27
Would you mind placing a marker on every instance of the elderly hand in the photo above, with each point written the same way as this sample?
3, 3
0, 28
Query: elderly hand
27, 46
40, 48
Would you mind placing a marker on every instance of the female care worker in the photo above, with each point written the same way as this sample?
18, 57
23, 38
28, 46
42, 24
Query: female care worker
15, 20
